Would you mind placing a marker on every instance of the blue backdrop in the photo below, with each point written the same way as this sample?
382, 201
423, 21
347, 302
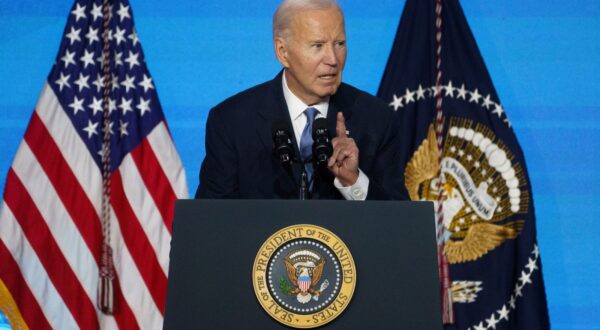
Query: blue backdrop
543, 56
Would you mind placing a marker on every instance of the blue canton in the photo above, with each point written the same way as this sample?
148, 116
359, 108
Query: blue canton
76, 79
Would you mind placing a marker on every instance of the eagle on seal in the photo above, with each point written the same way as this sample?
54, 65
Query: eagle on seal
480, 237
304, 270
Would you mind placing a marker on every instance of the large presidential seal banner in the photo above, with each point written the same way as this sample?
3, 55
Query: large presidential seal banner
460, 151
304, 276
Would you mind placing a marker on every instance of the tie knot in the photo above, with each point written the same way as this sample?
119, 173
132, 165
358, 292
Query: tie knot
311, 114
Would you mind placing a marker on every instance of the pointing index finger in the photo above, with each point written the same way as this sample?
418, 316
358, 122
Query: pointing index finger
340, 127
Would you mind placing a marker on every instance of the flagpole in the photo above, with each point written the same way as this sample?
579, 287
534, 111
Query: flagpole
105, 286
446, 292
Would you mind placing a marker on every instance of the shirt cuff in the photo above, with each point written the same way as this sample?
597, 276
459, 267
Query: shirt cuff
357, 191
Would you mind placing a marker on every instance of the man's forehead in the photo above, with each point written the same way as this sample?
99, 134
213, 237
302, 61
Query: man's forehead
319, 23
328, 13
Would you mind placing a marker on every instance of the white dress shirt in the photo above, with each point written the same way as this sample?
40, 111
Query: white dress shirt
357, 191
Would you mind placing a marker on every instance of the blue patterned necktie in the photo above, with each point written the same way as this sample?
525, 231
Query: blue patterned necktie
306, 140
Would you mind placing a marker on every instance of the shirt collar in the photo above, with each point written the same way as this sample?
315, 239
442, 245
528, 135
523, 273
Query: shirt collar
296, 107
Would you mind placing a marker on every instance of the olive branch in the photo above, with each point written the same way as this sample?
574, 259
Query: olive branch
285, 286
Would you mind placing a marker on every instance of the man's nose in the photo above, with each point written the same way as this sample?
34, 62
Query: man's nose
331, 55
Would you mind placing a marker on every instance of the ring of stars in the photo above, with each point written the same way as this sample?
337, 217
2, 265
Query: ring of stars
511, 304
333, 288
470, 96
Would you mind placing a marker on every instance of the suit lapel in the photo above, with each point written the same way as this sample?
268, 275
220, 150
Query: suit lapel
275, 108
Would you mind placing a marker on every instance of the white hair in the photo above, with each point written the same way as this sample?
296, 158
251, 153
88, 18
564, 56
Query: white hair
282, 18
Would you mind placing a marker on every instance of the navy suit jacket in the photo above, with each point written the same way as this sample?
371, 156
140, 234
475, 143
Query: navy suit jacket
239, 160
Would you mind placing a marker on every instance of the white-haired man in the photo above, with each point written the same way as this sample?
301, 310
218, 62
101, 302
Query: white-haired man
310, 42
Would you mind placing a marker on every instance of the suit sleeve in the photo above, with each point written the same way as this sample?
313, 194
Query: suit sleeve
386, 179
219, 170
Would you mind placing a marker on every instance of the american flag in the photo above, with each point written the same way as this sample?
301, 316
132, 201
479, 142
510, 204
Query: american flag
51, 213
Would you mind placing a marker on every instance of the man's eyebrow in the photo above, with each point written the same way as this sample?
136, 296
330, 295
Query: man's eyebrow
321, 41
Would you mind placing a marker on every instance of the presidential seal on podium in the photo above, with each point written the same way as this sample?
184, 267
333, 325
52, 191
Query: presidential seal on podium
304, 276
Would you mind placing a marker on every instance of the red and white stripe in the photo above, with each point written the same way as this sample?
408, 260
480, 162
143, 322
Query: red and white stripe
304, 284
51, 234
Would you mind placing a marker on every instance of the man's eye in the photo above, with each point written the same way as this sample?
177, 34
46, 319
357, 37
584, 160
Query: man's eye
341, 43
318, 46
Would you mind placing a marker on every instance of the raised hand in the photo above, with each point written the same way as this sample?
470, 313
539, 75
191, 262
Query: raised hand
343, 162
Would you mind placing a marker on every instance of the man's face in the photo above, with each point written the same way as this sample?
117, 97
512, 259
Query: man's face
314, 54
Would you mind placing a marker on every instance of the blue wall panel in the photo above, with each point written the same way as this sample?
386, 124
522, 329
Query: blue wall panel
543, 57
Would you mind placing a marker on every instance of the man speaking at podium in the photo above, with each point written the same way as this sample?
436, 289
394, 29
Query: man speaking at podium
363, 160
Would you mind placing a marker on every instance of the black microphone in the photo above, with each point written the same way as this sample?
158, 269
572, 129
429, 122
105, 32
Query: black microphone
282, 142
322, 148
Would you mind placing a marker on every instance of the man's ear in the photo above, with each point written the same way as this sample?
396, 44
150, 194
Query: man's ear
281, 51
